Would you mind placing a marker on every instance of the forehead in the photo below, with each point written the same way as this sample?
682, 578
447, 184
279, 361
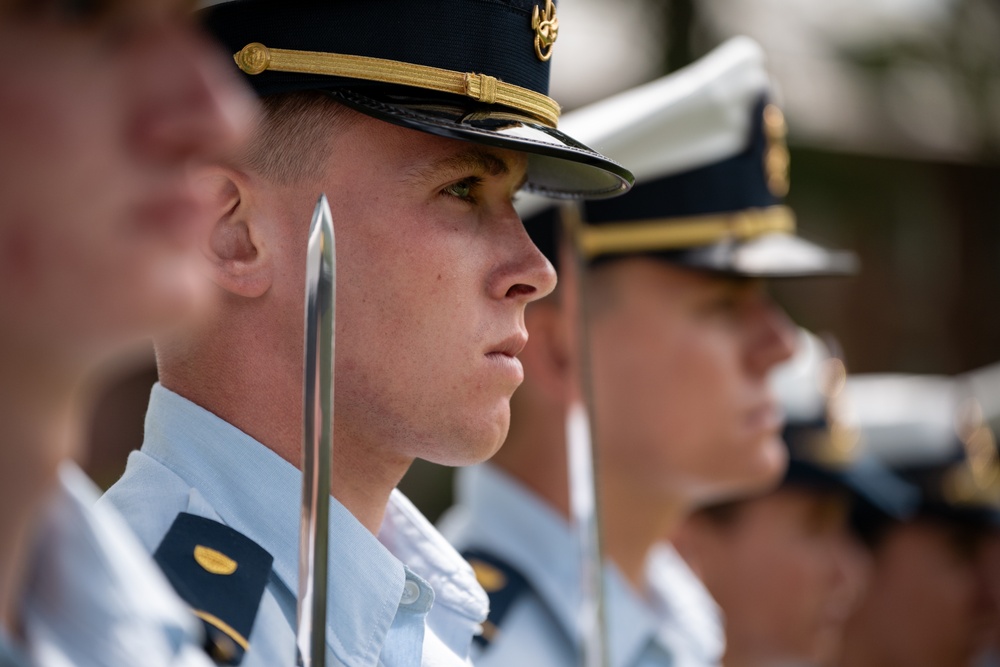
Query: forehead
642, 273
422, 156
86, 12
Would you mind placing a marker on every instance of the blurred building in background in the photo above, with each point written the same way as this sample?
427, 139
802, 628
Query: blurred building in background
893, 108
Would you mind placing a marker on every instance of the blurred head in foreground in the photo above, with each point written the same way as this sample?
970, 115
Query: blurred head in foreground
104, 105
784, 566
930, 601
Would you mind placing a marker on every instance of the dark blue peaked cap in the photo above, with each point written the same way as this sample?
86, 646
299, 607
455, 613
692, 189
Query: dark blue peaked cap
708, 149
474, 70
824, 451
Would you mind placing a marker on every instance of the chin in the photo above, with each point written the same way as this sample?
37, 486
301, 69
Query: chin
770, 459
752, 475
471, 444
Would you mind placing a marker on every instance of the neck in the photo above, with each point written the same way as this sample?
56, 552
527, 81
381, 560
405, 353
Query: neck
39, 428
247, 384
629, 535
535, 455
364, 475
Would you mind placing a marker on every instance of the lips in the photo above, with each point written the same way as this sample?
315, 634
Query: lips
502, 357
766, 417
510, 346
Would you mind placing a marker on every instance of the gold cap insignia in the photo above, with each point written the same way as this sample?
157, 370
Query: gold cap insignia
976, 479
839, 445
253, 58
776, 156
546, 27
214, 561
489, 577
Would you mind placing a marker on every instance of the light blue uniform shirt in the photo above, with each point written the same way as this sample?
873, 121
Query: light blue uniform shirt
405, 598
93, 597
675, 623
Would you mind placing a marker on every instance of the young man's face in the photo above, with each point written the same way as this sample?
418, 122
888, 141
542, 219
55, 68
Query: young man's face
786, 573
680, 363
930, 602
434, 269
101, 111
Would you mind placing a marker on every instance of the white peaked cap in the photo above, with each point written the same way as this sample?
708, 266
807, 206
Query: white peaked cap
906, 420
696, 116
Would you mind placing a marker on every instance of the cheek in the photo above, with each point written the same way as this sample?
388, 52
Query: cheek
756, 595
666, 392
929, 595
62, 136
65, 177
83, 289
408, 285
413, 295
652, 366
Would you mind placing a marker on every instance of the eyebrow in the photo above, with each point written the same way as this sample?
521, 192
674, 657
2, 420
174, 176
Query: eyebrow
474, 159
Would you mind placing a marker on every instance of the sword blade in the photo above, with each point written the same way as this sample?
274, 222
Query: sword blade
317, 443
582, 462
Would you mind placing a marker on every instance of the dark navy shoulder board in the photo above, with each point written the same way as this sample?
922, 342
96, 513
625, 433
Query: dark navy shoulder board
221, 574
502, 583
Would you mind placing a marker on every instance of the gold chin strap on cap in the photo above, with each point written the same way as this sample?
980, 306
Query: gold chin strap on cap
255, 58
675, 233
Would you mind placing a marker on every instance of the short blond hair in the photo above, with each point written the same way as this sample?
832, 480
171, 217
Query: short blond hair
293, 135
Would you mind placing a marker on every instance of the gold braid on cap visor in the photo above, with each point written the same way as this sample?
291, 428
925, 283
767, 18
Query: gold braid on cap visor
255, 58
676, 233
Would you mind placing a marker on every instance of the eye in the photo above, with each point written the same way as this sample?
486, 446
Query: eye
74, 12
112, 22
463, 189
726, 305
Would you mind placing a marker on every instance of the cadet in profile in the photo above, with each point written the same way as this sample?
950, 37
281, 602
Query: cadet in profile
420, 122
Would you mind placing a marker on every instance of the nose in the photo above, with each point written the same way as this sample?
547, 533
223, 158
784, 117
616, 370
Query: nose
772, 335
525, 275
187, 103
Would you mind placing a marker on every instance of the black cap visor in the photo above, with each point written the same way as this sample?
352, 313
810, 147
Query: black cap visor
771, 256
558, 166
872, 485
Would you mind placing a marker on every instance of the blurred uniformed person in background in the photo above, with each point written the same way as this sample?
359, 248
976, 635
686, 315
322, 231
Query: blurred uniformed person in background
785, 567
103, 106
984, 387
991, 561
929, 602
682, 339
420, 121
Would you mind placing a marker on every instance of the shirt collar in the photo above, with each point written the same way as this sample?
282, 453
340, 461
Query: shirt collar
510, 521
256, 492
696, 619
93, 596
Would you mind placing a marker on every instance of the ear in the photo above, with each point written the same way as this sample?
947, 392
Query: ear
548, 356
237, 254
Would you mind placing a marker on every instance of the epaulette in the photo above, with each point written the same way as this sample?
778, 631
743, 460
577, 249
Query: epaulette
221, 574
502, 583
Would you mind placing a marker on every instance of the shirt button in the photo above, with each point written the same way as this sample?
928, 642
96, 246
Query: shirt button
411, 592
